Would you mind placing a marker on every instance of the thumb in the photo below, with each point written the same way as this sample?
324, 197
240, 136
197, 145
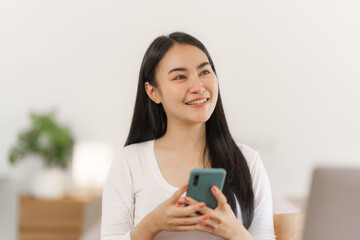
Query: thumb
220, 197
176, 196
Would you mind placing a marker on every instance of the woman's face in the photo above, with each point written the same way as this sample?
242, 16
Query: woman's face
187, 87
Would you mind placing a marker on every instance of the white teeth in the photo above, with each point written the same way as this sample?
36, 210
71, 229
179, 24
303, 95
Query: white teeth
196, 102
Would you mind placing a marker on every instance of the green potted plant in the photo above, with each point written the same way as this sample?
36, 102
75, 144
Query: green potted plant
50, 142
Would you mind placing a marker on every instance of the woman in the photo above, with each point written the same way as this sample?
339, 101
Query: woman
178, 125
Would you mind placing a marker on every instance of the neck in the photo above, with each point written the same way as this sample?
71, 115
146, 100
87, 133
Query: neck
186, 137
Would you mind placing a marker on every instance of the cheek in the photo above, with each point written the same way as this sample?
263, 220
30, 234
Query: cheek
214, 87
171, 96
214, 93
176, 93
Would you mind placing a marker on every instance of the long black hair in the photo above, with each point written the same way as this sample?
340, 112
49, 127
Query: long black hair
149, 122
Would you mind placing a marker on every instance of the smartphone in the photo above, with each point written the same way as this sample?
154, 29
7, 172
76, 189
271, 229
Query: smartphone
200, 182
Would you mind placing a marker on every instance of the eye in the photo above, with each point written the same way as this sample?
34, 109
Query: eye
205, 72
179, 77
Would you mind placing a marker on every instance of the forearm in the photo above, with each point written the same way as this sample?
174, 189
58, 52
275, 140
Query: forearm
242, 237
241, 234
145, 230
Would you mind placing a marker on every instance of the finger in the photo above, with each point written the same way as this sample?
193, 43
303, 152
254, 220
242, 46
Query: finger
184, 228
191, 215
189, 220
181, 200
190, 200
216, 215
207, 224
206, 210
182, 205
205, 227
202, 211
189, 210
220, 197
176, 196
208, 221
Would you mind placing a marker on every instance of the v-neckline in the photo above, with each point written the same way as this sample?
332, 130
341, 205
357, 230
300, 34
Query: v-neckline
156, 169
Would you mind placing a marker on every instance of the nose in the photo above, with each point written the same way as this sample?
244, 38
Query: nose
196, 84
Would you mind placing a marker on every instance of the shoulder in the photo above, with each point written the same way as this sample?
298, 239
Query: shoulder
246, 150
252, 158
135, 148
249, 153
132, 154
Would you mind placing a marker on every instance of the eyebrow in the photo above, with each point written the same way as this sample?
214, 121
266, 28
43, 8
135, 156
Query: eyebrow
184, 69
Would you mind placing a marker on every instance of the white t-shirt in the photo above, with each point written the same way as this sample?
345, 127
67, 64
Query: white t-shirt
135, 186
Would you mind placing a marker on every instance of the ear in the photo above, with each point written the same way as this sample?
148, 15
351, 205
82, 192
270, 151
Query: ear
152, 92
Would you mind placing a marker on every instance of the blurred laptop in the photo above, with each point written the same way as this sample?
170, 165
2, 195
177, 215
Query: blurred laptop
333, 210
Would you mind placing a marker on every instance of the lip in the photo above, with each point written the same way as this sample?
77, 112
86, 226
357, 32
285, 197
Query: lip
200, 105
197, 99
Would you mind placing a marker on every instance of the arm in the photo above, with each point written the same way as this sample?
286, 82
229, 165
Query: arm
145, 230
118, 202
262, 226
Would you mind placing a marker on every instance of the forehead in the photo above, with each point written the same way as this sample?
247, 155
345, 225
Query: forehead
181, 55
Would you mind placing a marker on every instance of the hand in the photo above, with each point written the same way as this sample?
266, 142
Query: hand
220, 221
171, 215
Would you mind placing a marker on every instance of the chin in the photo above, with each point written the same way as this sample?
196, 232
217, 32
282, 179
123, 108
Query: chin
200, 119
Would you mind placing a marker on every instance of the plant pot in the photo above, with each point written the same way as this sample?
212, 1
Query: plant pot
32, 177
23, 171
48, 183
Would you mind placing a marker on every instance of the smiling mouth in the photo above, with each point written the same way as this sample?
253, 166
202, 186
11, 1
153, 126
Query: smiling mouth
197, 102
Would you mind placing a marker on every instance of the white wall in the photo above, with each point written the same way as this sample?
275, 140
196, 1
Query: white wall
288, 70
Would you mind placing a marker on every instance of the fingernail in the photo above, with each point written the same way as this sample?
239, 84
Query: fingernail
202, 205
214, 188
206, 217
202, 224
187, 199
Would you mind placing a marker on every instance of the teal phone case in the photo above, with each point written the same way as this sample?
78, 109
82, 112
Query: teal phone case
200, 182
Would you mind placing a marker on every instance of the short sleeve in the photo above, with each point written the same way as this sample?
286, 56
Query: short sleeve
118, 202
262, 226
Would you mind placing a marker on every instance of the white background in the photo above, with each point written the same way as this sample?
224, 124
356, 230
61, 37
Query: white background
289, 72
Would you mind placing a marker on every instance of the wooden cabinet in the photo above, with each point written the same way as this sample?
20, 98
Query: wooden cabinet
61, 219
